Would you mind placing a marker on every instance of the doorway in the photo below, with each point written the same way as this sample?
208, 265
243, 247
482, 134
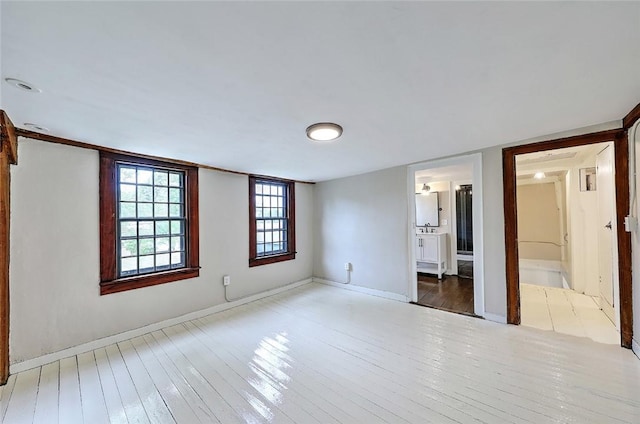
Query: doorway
566, 232
560, 243
436, 221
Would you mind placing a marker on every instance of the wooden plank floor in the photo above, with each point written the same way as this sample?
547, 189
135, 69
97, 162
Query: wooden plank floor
452, 293
320, 354
565, 311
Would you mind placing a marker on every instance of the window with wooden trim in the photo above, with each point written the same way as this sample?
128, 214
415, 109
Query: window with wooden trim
148, 222
272, 224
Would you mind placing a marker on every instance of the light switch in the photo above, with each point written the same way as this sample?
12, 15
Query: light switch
445, 222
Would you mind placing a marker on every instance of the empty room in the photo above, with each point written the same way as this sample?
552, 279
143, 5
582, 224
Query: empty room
319, 212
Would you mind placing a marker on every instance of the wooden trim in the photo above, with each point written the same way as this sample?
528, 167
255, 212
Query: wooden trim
109, 281
511, 237
10, 140
8, 156
621, 159
124, 284
5, 195
68, 142
621, 152
631, 117
254, 260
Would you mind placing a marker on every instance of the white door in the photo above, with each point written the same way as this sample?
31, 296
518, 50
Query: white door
606, 210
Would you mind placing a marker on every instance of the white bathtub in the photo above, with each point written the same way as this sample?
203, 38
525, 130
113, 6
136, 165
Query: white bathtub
542, 273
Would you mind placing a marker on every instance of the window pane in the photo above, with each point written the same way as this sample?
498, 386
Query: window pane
127, 210
280, 190
145, 194
276, 236
145, 228
160, 210
274, 190
175, 180
128, 229
145, 176
258, 188
161, 194
128, 248
145, 210
258, 212
129, 265
177, 244
175, 195
176, 258
267, 237
146, 247
176, 227
162, 244
266, 212
260, 225
260, 249
146, 263
175, 210
266, 201
260, 237
162, 260
160, 178
128, 192
162, 228
127, 175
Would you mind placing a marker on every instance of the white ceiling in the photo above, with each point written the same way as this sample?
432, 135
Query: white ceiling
445, 173
235, 84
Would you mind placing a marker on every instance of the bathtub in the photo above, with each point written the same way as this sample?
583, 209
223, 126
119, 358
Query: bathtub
542, 273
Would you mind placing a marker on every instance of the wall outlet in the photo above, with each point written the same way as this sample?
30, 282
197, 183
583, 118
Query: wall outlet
226, 280
347, 266
445, 222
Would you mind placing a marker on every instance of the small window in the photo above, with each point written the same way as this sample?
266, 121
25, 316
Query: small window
149, 222
271, 221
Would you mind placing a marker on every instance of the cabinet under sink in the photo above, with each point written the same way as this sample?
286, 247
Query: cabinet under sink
431, 253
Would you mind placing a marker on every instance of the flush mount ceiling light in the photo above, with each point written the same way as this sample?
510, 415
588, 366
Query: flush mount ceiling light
36, 127
324, 131
23, 85
539, 175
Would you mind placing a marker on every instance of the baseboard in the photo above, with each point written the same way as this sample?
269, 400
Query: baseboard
635, 347
106, 341
360, 289
495, 318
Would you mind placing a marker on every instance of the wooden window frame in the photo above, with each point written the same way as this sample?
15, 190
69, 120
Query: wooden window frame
109, 280
290, 254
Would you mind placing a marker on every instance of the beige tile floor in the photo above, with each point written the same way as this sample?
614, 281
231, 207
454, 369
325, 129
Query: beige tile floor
567, 312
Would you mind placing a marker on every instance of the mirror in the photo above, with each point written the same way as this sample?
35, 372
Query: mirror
427, 210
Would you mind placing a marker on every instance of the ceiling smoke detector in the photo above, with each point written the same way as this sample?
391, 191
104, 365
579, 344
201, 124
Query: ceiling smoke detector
23, 85
324, 131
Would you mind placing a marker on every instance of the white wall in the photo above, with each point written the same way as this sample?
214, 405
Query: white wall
55, 301
363, 220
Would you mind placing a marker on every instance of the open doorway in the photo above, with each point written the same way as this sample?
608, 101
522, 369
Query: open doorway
446, 270
565, 235
566, 241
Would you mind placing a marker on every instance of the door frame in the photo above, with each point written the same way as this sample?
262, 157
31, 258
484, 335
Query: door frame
8, 157
621, 164
475, 161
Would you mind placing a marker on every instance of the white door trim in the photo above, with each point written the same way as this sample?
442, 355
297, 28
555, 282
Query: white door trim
475, 160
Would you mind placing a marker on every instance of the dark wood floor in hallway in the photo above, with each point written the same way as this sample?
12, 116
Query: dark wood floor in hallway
453, 293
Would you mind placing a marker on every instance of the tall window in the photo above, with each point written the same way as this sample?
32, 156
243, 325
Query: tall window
149, 222
271, 221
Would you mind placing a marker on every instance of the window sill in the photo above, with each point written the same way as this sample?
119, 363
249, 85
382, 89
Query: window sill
139, 281
265, 260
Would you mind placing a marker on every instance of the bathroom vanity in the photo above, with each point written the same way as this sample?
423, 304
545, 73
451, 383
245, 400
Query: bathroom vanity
431, 253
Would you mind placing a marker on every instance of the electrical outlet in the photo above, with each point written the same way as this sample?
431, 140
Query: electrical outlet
347, 266
226, 280
445, 222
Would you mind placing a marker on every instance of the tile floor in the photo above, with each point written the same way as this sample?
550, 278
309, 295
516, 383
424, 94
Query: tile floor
567, 312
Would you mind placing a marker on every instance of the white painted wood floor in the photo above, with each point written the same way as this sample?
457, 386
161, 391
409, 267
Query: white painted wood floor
320, 354
567, 312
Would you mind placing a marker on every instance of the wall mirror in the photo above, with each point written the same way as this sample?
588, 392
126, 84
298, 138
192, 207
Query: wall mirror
427, 209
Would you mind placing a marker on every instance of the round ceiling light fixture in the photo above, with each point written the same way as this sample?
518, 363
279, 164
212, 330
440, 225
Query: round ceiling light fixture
23, 85
36, 127
324, 131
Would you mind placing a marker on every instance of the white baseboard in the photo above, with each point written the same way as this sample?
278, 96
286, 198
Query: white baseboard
635, 347
495, 318
360, 289
106, 341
